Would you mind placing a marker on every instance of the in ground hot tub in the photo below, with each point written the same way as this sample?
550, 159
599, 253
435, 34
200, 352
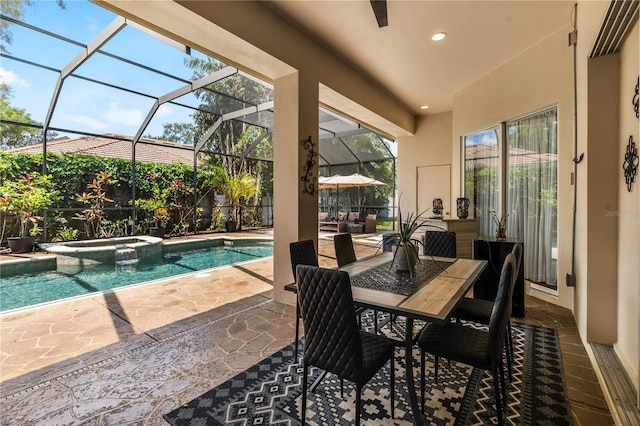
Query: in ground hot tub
110, 250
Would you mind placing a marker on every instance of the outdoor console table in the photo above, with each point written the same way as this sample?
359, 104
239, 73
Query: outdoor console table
486, 286
431, 296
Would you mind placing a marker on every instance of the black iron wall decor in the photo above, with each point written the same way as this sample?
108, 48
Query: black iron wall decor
309, 181
636, 99
630, 165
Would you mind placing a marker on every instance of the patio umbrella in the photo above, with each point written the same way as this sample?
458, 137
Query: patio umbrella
349, 181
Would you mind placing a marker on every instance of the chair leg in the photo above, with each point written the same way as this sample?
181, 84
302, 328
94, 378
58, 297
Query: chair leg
422, 381
435, 368
305, 377
358, 402
496, 389
375, 321
341, 388
510, 337
393, 375
296, 342
510, 354
502, 382
508, 357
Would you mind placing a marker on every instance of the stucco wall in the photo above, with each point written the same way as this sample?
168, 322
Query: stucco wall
430, 146
539, 77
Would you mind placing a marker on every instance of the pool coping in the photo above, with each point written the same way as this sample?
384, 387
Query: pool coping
127, 287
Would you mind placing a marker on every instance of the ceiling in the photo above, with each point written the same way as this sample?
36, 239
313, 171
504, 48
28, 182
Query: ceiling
481, 35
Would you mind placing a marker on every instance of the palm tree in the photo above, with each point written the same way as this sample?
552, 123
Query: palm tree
243, 186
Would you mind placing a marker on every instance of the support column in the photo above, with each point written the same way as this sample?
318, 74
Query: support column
602, 197
295, 213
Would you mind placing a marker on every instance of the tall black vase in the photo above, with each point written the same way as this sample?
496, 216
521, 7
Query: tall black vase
462, 208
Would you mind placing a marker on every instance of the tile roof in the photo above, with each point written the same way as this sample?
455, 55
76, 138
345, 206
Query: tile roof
480, 155
117, 146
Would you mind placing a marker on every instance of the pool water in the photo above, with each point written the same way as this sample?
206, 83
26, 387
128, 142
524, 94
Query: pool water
31, 289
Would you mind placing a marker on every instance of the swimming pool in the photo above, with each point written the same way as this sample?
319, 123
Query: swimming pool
32, 289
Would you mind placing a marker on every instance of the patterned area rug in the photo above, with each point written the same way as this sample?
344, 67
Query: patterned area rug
269, 393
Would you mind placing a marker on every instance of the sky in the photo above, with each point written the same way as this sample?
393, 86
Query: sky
86, 106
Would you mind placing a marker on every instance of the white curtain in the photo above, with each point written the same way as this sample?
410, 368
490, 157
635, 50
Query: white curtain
532, 146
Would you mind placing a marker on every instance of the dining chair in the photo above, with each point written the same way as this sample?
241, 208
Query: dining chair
479, 348
345, 253
301, 253
479, 310
333, 341
440, 243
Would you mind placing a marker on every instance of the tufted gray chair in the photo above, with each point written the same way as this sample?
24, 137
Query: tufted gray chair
333, 341
301, 253
478, 348
478, 310
440, 243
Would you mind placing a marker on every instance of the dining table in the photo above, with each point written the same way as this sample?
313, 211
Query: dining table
429, 294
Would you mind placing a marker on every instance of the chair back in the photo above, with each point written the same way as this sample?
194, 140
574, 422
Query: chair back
345, 253
500, 315
332, 338
440, 243
517, 253
302, 253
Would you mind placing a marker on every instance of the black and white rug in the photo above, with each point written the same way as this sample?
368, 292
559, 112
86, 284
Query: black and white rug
269, 393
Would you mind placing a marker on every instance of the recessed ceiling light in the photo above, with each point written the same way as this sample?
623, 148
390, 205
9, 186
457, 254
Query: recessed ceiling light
438, 36
424, 107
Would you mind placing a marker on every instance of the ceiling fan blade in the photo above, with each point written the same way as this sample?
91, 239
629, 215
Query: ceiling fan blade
380, 10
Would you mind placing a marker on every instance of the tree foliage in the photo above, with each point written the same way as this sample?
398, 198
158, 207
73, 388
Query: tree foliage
13, 135
230, 94
15, 9
177, 132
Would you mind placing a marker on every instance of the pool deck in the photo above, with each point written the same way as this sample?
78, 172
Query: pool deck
130, 355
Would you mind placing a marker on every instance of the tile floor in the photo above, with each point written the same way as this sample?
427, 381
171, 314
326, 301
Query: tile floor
131, 355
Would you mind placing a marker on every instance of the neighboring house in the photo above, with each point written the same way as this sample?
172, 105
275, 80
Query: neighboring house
111, 145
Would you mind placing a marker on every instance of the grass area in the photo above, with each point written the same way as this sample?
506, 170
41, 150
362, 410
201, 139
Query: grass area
385, 224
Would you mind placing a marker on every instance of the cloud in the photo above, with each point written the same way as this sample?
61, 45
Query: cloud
12, 79
88, 121
488, 139
164, 110
123, 116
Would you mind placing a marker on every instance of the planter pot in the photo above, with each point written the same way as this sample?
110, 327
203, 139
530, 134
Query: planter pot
230, 225
157, 231
404, 261
21, 244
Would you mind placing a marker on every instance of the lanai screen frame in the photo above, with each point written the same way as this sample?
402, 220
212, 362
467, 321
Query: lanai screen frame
328, 130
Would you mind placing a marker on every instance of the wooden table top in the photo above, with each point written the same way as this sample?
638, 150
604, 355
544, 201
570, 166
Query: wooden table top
433, 301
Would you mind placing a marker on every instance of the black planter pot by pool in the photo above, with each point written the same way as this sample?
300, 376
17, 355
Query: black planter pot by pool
21, 244
230, 225
157, 231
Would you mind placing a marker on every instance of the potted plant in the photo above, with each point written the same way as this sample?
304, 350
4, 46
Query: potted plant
23, 199
156, 207
235, 189
161, 217
405, 248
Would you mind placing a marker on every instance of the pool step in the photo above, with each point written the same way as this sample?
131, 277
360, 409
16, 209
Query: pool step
126, 254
